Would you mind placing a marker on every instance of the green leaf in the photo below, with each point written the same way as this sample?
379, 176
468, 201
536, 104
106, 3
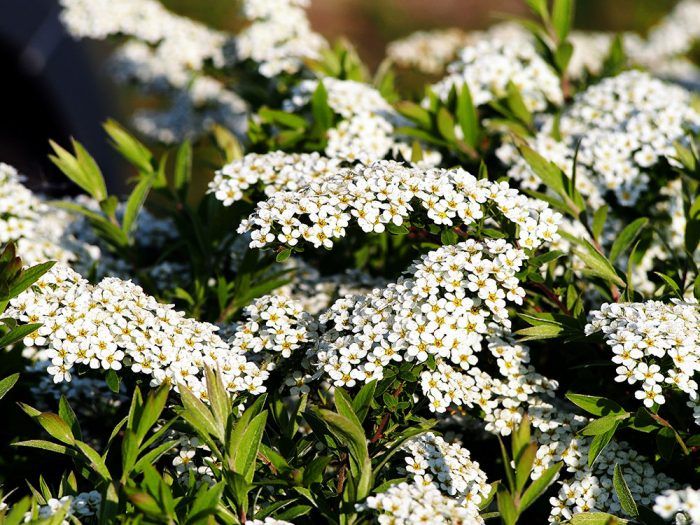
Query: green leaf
520, 438
599, 442
539, 7
397, 230
523, 465
56, 427
288, 120
7, 383
17, 334
322, 112
153, 455
539, 486
671, 283
183, 167
43, 445
599, 218
283, 255
616, 60
218, 397
239, 429
603, 424
313, 473
135, 203
563, 55
350, 435
206, 501
414, 112
96, 462
535, 333
626, 237
113, 380
517, 105
66, 413
145, 503
151, 411
247, 451
198, 415
80, 168
598, 406
597, 264
91, 170
506, 507
623, 493
363, 400
596, 518
27, 278
562, 15
343, 405
227, 143
446, 124
510, 475
467, 116
548, 172
130, 148
449, 237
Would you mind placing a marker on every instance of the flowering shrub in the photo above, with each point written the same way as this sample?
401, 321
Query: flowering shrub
476, 302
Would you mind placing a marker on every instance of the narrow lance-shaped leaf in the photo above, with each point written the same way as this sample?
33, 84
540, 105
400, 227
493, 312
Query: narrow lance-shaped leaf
7, 383
17, 334
597, 264
539, 486
467, 116
562, 14
28, 277
598, 406
135, 202
248, 446
183, 167
130, 148
626, 237
623, 493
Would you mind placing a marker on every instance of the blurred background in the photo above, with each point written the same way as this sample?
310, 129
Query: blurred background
54, 87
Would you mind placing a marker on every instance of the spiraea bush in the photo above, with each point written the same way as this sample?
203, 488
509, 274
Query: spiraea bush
461, 290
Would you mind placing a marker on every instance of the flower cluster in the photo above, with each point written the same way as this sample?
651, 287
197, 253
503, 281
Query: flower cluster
411, 503
276, 325
673, 37
366, 131
270, 172
279, 37
521, 390
165, 53
178, 38
115, 324
192, 459
446, 486
655, 345
387, 192
449, 467
41, 231
428, 51
592, 489
683, 505
488, 66
622, 128
441, 311
78, 507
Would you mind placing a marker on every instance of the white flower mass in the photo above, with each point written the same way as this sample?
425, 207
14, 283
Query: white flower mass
385, 279
616, 131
